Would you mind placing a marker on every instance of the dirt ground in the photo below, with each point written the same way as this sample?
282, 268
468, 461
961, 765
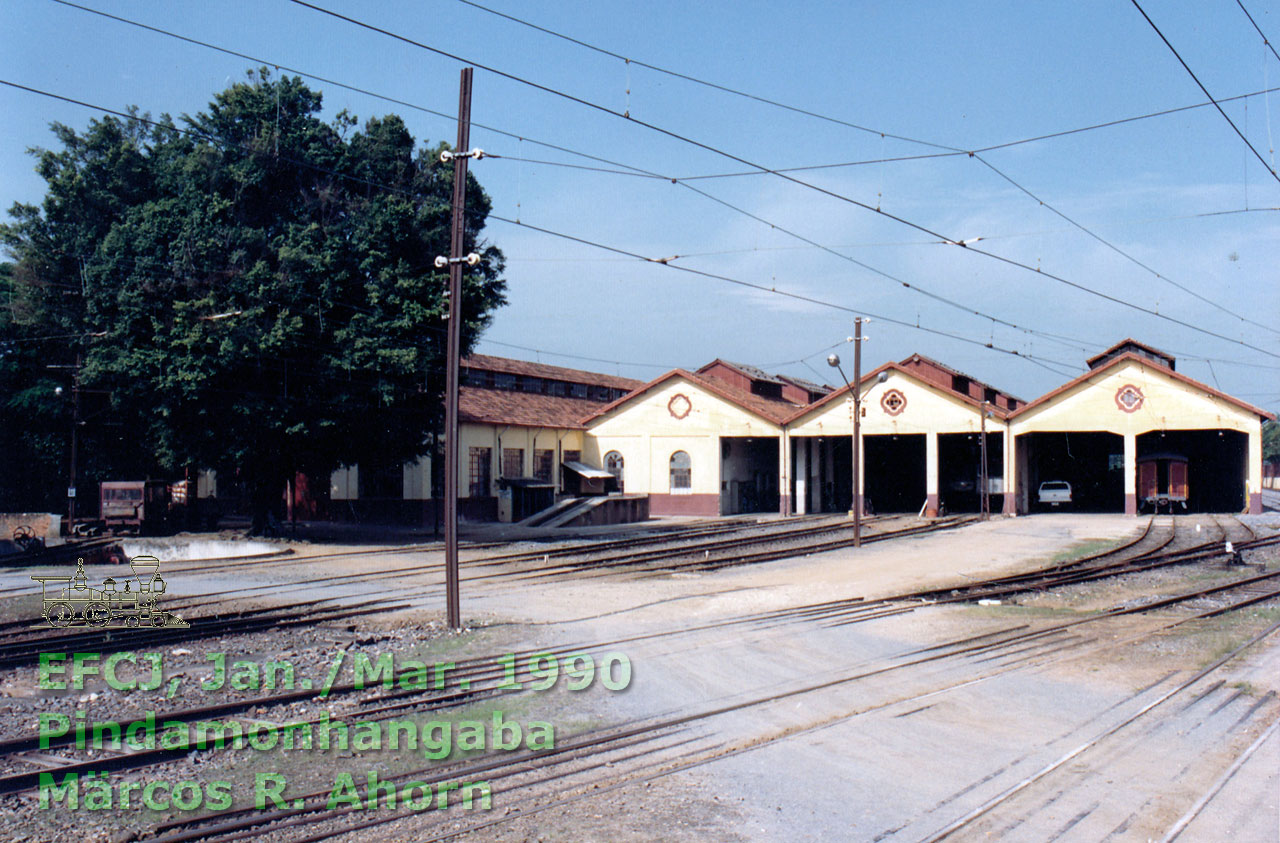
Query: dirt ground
815, 725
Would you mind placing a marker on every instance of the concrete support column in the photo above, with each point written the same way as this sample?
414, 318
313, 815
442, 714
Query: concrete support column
1130, 474
815, 475
1010, 474
1253, 488
784, 472
931, 474
802, 476
829, 465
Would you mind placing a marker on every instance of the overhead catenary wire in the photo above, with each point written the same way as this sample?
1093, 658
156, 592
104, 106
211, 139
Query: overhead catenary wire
368, 182
773, 290
697, 81
640, 172
780, 292
947, 150
192, 133
1216, 105
628, 171
353, 88
808, 185
1265, 39
1035, 359
1122, 252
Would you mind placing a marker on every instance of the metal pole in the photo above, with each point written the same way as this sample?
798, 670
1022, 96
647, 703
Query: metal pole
857, 431
456, 245
982, 472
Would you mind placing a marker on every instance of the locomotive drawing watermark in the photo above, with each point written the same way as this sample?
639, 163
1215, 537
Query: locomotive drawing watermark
129, 601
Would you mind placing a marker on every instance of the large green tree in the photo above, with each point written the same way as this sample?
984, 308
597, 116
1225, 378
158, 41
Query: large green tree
250, 289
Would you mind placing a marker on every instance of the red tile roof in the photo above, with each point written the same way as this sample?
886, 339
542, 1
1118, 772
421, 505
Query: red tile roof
504, 407
484, 362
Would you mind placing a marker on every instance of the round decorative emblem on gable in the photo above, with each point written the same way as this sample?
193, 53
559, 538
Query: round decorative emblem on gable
1129, 398
679, 405
893, 402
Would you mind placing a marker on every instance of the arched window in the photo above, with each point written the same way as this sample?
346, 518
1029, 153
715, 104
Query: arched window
613, 465
681, 473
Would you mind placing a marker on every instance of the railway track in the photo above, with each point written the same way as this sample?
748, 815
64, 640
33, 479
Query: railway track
21, 641
1250, 590
17, 640
570, 780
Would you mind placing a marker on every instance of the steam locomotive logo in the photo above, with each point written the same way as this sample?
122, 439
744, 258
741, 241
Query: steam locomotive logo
129, 602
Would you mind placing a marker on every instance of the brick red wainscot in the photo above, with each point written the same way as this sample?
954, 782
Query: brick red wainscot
706, 505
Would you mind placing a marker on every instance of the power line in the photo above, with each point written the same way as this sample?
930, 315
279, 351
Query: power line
895, 279
831, 193
1187, 68
630, 170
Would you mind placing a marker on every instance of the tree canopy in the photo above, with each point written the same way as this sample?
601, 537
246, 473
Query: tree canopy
249, 288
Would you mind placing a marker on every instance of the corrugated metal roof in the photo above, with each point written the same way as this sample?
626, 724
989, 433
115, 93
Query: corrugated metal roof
586, 470
807, 385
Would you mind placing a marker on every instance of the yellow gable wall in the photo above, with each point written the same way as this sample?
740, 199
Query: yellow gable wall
928, 410
1168, 404
646, 433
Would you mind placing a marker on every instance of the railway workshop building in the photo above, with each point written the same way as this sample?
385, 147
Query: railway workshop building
1129, 434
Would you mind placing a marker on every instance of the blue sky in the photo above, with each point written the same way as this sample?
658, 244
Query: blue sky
1166, 201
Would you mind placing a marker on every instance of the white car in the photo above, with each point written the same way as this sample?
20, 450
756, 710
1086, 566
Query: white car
1055, 492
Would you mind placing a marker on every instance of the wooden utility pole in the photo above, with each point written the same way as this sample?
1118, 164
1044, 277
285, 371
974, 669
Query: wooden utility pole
456, 245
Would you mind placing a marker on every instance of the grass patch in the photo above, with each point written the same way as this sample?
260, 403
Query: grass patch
1083, 548
1246, 688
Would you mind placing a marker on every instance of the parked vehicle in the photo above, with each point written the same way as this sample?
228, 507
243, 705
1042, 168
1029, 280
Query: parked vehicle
1162, 482
138, 506
1055, 492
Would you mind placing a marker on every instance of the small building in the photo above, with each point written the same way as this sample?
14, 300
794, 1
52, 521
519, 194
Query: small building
519, 424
